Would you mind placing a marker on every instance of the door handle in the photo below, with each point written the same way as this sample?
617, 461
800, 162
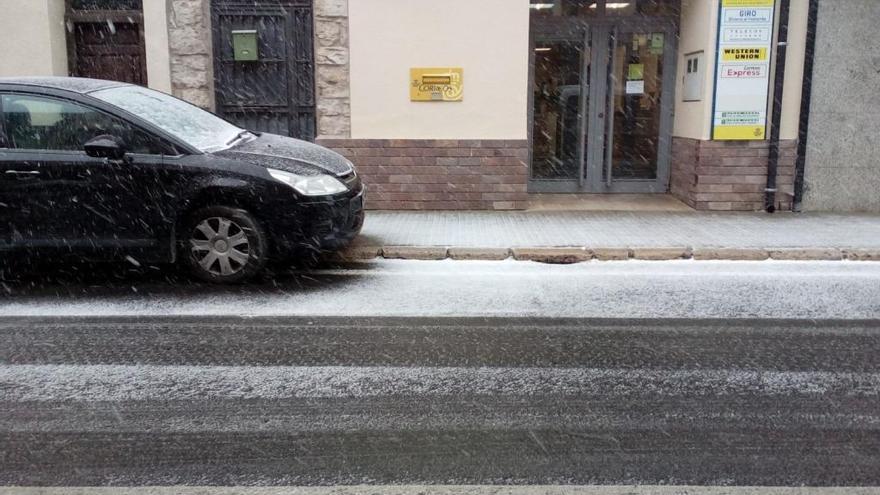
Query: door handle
22, 172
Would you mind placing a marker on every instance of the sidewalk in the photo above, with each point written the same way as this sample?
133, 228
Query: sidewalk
570, 236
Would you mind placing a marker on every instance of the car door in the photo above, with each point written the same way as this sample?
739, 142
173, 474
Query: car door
61, 197
30, 186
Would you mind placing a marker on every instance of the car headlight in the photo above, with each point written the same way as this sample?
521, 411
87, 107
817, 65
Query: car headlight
309, 185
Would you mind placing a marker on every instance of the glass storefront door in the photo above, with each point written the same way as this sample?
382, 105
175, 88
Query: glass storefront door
561, 88
602, 107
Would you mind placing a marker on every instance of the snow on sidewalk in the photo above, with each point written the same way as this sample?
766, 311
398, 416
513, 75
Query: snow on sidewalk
490, 229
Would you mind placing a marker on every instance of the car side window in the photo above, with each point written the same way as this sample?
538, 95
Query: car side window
42, 123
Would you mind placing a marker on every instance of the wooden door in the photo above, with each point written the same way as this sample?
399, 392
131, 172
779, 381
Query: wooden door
109, 50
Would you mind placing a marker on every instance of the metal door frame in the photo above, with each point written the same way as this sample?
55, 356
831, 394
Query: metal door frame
579, 33
597, 164
598, 34
294, 108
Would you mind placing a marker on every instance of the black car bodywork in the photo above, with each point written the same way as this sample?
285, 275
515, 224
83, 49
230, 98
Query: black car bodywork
70, 201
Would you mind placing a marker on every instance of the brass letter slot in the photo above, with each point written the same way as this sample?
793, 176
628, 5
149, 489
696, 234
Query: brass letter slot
436, 84
436, 79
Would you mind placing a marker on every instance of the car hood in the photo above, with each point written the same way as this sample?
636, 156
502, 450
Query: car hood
290, 155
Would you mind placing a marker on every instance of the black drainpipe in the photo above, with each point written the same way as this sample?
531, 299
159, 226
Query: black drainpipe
778, 89
806, 99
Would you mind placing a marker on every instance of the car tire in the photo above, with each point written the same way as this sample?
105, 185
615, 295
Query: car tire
223, 245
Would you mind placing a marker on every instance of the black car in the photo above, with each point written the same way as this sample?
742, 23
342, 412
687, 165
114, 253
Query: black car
104, 169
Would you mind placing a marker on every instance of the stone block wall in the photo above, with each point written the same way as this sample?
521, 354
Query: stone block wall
332, 73
729, 175
408, 174
192, 71
189, 42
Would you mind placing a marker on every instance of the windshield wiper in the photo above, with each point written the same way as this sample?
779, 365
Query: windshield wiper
238, 137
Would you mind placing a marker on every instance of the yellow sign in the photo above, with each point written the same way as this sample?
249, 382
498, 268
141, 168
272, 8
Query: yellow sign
744, 54
436, 84
636, 72
739, 133
747, 3
742, 69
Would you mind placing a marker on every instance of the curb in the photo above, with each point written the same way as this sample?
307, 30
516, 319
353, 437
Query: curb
732, 254
561, 256
487, 254
414, 253
569, 255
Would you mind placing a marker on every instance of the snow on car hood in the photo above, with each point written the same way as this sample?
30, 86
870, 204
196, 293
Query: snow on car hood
288, 154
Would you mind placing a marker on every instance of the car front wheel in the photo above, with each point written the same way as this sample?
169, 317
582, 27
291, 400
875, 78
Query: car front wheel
224, 245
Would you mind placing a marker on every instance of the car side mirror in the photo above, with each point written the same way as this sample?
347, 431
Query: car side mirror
106, 146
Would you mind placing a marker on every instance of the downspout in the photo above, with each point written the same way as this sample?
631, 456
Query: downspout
806, 99
776, 119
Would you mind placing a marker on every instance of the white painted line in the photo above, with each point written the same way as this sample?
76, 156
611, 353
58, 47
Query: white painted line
125, 383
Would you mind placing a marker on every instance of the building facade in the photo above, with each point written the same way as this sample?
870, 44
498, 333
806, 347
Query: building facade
478, 105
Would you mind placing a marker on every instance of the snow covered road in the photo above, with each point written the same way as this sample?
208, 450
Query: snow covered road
316, 401
642, 373
627, 289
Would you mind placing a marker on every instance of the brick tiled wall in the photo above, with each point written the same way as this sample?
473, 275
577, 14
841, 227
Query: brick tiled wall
407, 174
729, 175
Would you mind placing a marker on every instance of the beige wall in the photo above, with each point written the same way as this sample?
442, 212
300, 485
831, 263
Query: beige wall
32, 34
156, 38
488, 38
794, 69
699, 25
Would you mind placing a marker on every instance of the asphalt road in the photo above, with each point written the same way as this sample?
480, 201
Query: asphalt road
317, 401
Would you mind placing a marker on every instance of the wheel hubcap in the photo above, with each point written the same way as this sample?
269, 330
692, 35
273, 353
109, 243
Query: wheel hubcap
220, 246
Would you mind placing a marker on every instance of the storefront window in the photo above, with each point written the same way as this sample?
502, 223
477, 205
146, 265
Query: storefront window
558, 87
594, 8
643, 8
635, 89
560, 8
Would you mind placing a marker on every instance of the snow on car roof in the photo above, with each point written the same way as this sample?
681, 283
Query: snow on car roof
74, 84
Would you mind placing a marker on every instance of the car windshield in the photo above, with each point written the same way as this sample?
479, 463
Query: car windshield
191, 124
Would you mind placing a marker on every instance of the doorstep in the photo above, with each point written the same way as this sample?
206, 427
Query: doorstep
574, 236
606, 202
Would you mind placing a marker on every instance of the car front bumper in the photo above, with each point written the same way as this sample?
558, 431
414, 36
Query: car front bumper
320, 227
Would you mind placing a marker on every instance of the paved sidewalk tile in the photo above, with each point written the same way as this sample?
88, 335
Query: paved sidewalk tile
856, 235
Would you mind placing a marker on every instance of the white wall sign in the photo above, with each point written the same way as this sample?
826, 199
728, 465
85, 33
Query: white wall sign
742, 66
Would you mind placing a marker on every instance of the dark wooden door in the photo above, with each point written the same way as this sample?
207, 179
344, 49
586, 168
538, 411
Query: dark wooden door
276, 92
109, 50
